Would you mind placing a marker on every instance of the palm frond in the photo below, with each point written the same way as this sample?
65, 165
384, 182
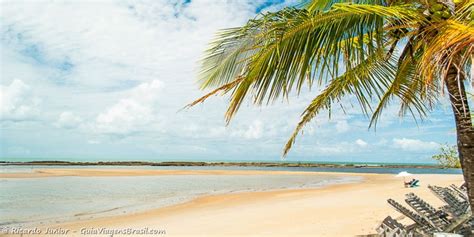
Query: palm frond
309, 47
350, 46
453, 44
367, 80
222, 89
463, 12
325, 5
406, 84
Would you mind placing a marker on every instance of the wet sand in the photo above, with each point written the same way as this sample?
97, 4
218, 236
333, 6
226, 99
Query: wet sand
336, 210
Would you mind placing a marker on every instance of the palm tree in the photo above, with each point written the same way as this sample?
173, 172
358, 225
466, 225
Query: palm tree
373, 51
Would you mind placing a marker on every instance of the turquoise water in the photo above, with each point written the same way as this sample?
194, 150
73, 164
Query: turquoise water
10, 159
32, 201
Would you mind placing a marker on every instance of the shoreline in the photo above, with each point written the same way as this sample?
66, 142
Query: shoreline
222, 164
333, 210
54, 172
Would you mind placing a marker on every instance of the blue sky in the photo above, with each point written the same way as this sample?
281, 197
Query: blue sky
104, 80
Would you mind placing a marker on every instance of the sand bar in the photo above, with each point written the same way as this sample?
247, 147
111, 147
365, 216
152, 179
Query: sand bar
337, 210
53, 172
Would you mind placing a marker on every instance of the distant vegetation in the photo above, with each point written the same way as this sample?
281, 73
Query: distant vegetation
448, 156
194, 163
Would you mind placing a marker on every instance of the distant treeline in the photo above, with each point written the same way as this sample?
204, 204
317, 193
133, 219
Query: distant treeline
192, 163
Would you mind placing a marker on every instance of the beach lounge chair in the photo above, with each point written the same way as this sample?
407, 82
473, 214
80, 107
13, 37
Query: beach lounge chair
423, 225
461, 192
392, 228
456, 205
463, 187
414, 183
463, 224
455, 217
436, 218
408, 184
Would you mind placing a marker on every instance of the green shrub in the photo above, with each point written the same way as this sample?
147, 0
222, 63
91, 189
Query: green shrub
448, 156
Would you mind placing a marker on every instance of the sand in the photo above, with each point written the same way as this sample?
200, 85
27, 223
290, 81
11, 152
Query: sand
336, 210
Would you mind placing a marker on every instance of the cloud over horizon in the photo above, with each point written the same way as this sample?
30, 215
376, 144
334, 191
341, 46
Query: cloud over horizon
108, 79
414, 144
17, 103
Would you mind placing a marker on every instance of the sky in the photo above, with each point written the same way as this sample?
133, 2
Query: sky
105, 80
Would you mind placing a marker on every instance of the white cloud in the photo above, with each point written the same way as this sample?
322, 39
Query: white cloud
108, 41
361, 143
17, 102
322, 149
414, 144
87, 57
342, 126
254, 131
68, 120
134, 113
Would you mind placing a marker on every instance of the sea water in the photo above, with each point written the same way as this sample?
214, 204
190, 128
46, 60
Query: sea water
369, 169
32, 201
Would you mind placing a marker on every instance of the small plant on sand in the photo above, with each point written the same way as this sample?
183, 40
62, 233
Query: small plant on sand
448, 156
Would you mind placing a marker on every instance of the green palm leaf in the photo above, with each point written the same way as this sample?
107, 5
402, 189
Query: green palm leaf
351, 47
368, 80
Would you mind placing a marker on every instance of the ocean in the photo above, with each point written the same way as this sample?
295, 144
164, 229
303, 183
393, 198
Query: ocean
374, 169
31, 201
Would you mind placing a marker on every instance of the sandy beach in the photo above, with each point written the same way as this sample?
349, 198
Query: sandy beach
336, 210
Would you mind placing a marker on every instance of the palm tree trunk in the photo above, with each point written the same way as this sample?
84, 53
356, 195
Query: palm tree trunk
464, 128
